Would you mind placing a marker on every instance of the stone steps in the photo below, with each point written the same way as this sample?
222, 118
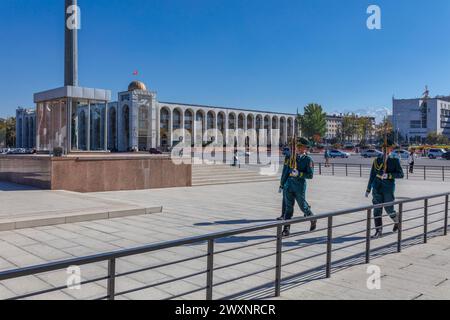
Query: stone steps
225, 174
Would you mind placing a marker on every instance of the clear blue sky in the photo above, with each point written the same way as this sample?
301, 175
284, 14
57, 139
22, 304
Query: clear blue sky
276, 55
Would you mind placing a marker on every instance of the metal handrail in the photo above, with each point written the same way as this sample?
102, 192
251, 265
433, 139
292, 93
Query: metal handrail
111, 257
425, 171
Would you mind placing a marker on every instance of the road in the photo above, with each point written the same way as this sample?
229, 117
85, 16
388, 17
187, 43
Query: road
357, 159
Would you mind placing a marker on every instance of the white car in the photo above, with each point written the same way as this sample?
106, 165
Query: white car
400, 154
435, 153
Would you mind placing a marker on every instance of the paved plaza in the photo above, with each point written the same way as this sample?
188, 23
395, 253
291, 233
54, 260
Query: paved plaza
206, 209
26, 207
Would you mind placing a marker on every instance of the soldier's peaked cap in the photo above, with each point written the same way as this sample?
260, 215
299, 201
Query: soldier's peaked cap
390, 143
303, 142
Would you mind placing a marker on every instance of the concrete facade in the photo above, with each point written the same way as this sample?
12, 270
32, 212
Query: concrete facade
138, 121
334, 126
414, 123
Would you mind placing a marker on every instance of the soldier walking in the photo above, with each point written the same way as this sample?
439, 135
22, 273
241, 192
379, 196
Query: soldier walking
384, 171
293, 182
287, 157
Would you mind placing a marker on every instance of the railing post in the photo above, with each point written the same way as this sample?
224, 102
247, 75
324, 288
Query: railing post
425, 222
443, 173
369, 226
332, 166
346, 169
400, 227
424, 173
320, 169
407, 172
278, 261
210, 270
360, 170
111, 286
329, 246
446, 216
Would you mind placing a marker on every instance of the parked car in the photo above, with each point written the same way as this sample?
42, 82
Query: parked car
435, 153
371, 153
339, 154
349, 146
400, 154
446, 156
154, 151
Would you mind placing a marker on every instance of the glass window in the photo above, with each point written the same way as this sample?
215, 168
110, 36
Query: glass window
80, 117
97, 126
144, 139
112, 135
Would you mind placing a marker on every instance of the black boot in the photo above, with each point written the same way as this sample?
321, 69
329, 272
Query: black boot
396, 224
287, 231
395, 228
378, 234
313, 225
280, 218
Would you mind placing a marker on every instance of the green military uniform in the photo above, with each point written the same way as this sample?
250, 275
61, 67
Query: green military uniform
285, 169
382, 186
293, 181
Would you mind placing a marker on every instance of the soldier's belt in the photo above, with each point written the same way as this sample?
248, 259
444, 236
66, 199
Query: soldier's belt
299, 175
389, 177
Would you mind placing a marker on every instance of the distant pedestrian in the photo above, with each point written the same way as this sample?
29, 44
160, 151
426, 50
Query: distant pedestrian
327, 158
412, 160
235, 159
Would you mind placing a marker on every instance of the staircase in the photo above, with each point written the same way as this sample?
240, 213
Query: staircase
203, 175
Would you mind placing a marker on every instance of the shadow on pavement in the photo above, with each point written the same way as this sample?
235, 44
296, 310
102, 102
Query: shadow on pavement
266, 291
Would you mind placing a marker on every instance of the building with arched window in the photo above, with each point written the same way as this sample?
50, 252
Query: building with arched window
137, 121
143, 122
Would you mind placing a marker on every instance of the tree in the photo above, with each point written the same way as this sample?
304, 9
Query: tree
349, 127
364, 128
8, 132
313, 123
436, 139
384, 126
443, 140
2, 133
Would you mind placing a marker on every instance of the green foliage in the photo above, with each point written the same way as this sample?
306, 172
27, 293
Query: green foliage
437, 139
2, 133
364, 126
385, 127
8, 132
313, 123
349, 127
